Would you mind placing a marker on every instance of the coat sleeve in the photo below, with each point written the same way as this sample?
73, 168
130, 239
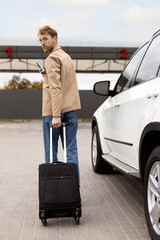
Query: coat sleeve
53, 71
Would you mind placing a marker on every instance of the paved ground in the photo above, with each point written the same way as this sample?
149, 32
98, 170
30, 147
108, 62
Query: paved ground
112, 205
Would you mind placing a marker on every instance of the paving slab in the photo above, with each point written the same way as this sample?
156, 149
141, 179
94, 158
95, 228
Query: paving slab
112, 205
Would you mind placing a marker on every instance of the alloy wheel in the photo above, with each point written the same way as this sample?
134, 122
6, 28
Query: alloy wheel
153, 196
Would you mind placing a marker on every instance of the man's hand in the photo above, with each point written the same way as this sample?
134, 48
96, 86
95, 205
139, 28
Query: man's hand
56, 122
42, 72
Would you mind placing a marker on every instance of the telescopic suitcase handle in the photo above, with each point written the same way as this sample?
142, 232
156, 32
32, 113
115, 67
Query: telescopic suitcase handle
64, 142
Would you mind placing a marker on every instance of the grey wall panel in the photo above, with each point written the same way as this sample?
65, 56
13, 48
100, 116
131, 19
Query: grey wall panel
20, 104
27, 104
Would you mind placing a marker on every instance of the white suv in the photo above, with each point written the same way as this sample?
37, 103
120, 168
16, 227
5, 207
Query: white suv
126, 127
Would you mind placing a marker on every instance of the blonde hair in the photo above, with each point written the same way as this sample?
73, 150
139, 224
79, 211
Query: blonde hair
47, 29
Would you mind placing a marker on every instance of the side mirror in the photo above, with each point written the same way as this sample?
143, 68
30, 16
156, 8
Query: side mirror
102, 88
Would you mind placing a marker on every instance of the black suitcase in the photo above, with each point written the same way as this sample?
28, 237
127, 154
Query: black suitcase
59, 194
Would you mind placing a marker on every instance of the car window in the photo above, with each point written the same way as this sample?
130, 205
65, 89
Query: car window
150, 67
127, 75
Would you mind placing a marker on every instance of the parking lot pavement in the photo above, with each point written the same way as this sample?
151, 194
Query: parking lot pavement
112, 205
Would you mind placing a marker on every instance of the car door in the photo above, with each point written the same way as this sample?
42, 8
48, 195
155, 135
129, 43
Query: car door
133, 106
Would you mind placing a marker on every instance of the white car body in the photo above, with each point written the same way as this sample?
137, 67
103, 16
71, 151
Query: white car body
142, 106
126, 127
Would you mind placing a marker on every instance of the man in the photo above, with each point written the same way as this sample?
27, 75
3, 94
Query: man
60, 96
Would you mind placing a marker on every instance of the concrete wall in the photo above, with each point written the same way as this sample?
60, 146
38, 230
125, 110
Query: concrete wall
27, 104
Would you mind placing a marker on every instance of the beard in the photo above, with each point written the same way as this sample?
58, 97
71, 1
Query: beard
47, 48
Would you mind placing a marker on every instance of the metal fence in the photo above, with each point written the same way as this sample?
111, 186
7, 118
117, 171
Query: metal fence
27, 104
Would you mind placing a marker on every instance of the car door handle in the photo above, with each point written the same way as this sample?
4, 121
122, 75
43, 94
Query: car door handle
153, 94
149, 95
117, 105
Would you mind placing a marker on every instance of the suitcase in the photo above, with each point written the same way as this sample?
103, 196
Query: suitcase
59, 194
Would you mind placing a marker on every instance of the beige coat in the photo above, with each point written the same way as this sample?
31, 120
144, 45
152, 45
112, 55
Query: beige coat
60, 91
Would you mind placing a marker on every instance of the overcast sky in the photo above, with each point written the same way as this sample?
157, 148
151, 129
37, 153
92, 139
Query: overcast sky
122, 23
80, 22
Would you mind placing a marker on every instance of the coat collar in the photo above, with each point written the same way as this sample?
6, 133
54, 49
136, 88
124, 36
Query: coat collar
57, 47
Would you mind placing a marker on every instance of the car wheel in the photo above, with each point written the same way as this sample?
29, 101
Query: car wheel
152, 194
98, 163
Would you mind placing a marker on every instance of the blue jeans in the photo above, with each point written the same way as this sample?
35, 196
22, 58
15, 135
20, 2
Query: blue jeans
70, 119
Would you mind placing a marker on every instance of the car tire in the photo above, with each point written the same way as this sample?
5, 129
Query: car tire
152, 194
98, 163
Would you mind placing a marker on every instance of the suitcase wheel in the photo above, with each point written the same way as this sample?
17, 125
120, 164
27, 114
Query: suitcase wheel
43, 219
77, 220
77, 215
